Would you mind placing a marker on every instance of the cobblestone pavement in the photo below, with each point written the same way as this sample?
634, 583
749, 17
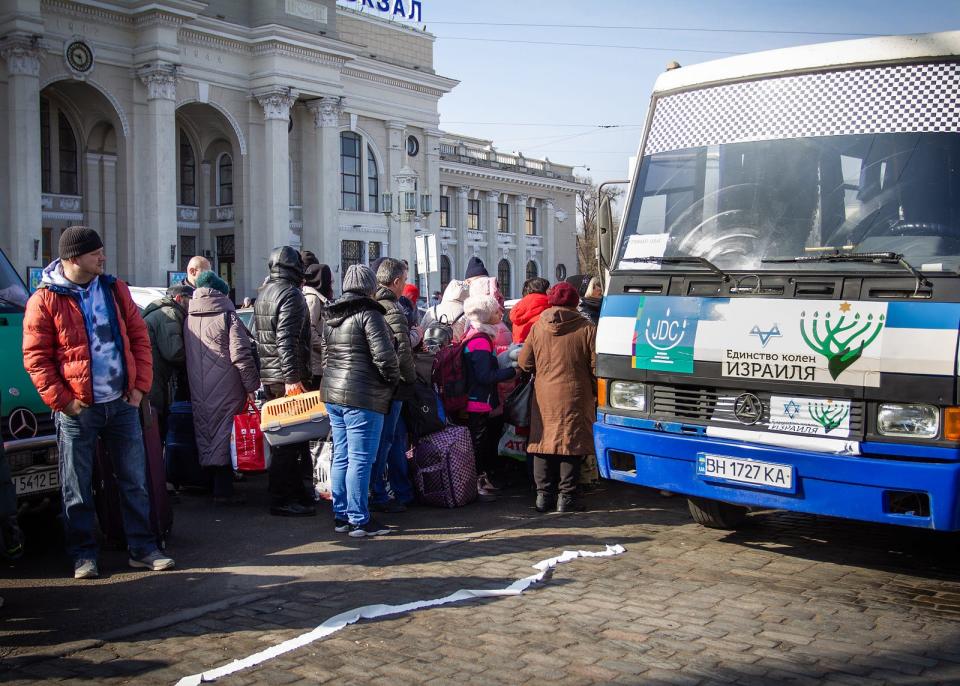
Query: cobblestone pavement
788, 599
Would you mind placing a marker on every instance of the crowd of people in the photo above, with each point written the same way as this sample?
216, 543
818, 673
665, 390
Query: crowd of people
93, 357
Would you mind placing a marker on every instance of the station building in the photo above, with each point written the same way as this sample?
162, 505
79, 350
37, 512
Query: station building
228, 127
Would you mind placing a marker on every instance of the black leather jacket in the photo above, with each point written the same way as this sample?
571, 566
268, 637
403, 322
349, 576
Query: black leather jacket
360, 367
283, 321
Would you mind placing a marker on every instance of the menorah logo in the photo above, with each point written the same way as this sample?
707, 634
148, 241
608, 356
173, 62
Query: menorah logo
828, 415
841, 340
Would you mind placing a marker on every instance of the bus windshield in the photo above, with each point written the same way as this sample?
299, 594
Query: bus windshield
738, 204
12, 291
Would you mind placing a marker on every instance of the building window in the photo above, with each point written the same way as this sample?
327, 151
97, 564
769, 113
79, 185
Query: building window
473, 214
45, 146
351, 252
445, 270
561, 272
350, 171
188, 248
531, 221
503, 217
226, 259
445, 211
503, 277
225, 180
374, 251
68, 157
373, 182
532, 271
188, 172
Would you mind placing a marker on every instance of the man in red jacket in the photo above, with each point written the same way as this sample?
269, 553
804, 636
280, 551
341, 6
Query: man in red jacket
87, 351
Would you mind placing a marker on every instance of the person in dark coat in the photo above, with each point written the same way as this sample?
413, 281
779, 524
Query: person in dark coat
165, 319
391, 488
283, 345
561, 354
590, 292
223, 377
360, 372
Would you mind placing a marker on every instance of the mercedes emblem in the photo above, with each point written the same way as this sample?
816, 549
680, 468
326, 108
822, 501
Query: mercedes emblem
748, 408
22, 423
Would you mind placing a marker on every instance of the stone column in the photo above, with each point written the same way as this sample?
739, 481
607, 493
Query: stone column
321, 231
492, 199
520, 233
24, 215
206, 200
463, 250
156, 177
109, 203
549, 262
432, 145
275, 188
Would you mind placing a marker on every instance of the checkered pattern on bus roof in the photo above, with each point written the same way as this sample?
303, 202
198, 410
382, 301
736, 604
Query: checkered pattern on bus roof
904, 98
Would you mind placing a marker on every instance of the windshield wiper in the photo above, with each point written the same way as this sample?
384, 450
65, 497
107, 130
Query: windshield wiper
868, 257
683, 259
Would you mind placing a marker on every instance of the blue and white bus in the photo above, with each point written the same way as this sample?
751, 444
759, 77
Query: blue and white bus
782, 306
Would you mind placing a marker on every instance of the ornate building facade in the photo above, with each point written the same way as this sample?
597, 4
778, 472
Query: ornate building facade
228, 127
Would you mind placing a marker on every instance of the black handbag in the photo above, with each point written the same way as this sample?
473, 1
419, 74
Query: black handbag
422, 413
516, 408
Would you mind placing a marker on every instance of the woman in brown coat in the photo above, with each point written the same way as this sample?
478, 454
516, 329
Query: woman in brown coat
223, 377
561, 353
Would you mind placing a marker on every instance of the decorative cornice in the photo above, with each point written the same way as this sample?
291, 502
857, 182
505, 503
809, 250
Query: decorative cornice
189, 36
326, 111
88, 12
275, 47
389, 81
276, 103
157, 17
22, 54
499, 177
160, 80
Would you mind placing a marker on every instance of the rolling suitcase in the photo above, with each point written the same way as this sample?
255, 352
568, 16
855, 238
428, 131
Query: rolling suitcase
107, 491
181, 456
444, 470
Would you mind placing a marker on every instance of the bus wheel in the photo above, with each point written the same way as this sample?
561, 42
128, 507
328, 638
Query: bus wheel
716, 515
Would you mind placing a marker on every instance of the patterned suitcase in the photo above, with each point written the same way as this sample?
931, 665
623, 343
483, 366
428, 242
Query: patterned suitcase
444, 469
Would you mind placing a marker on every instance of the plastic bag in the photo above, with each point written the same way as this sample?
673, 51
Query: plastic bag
513, 442
516, 408
321, 454
249, 451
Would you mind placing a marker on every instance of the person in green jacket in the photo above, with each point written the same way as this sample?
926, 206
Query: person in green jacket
165, 320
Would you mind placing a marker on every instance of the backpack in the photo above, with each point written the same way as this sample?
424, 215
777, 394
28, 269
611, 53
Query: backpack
439, 334
253, 340
450, 375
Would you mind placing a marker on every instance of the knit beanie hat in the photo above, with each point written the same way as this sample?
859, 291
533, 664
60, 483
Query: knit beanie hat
475, 268
562, 295
311, 276
78, 240
412, 293
360, 279
210, 279
481, 309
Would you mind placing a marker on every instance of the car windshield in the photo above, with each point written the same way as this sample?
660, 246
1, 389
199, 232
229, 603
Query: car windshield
738, 204
12, 290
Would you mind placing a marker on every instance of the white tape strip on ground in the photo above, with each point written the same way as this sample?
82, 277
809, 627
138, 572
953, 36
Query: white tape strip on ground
343, 619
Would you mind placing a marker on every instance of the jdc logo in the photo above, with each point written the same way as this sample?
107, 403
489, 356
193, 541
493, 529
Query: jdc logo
666, 328
666, 334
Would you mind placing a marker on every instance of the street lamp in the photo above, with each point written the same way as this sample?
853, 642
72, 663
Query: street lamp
386, 203
426, 203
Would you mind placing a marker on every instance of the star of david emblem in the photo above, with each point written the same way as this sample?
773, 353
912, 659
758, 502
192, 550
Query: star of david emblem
791, 409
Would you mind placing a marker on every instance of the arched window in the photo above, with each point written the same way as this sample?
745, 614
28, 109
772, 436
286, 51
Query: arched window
188, 172
68, 157
445, 270
561, 272
503, 276
225, 180
532, 271
350, 171
373, 182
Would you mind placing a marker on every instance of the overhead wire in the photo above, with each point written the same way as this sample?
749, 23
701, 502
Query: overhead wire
591, 45
660, 28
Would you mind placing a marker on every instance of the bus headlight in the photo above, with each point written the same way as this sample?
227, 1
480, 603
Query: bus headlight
628, 395
921, 421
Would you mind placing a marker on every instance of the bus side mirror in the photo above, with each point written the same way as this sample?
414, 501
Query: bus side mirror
606, 233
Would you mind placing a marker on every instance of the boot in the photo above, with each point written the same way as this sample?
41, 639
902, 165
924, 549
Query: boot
569, 503
545, 502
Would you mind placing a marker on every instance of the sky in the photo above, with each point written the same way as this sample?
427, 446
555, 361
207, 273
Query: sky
550, 100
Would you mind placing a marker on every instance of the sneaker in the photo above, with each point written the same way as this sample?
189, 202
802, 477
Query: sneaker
569, 503
484, 483
155, 561
389, 507
85, 569
341, 526
371, 528
545, 502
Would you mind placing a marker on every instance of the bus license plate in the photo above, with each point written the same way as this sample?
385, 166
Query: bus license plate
38, 481
753, 472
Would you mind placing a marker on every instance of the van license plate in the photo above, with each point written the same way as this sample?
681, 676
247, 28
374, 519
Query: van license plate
737, 470
38, 481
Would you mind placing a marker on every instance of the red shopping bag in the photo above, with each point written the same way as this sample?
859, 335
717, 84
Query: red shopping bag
247, 447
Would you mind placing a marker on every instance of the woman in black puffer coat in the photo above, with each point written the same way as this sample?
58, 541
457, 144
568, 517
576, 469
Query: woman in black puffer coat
360, 372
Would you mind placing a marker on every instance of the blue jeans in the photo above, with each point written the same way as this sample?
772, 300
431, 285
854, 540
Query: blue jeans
391, 465
356, 435
117, 423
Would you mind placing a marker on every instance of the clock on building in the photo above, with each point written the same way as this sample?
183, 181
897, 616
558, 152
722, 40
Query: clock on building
413, 146
79, 56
